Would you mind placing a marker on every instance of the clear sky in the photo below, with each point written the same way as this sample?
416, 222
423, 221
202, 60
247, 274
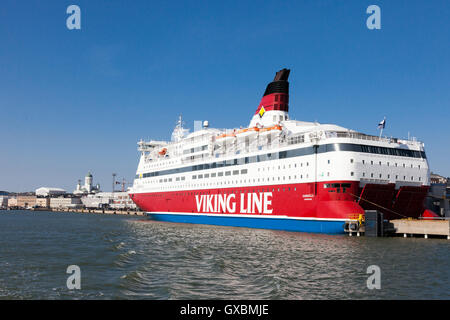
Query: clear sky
79, 100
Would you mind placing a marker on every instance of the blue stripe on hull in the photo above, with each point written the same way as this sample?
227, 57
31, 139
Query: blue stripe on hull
314, 226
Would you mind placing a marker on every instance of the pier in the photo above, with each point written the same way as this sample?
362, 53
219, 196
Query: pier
405, 227
375, 226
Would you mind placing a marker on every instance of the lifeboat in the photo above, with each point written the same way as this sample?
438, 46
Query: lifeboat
162, 152
275, 127
226, 135
249, 130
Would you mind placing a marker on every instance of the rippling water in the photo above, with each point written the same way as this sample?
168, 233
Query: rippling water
127, 257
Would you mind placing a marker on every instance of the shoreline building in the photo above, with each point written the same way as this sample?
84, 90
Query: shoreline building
49, 192
111, 200
88, 187
4, 201
65, 203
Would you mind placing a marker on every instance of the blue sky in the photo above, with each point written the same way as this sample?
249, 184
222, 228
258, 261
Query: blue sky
79, 100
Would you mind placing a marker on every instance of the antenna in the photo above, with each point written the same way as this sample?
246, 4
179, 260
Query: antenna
114, 181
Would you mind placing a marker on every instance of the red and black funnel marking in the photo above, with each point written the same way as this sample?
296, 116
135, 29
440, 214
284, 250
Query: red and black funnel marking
276, 96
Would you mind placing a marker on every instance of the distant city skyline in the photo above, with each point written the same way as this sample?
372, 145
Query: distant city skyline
78, 101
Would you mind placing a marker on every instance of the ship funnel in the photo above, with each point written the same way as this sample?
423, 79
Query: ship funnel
274, 105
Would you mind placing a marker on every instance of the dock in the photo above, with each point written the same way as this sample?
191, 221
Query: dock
422, 227
373, 225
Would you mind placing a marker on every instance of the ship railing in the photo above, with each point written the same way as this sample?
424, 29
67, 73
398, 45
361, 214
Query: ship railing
362, 136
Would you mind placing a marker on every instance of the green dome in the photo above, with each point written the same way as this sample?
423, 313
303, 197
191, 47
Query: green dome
89, 175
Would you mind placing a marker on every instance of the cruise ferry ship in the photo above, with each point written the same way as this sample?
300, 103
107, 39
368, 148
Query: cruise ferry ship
279, 173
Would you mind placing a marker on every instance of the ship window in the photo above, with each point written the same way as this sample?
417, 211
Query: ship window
220, 174
178, 179
244, 171
235, 172
200, 176
213, 175
352, 173
336, 185
194, 177
228, 173
276, 97
207, 175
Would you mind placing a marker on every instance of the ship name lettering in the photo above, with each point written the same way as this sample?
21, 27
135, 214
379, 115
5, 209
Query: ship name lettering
251, 202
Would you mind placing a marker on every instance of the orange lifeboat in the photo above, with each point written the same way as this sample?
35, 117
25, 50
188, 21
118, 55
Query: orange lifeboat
224, 135
275, 127
162, 151
248, 129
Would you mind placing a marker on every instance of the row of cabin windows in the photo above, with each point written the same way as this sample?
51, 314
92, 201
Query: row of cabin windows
284, 167
387, 163
219, 174
389, 176
190, 193
279, 178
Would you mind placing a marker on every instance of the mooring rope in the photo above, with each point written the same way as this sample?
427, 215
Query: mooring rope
375, 204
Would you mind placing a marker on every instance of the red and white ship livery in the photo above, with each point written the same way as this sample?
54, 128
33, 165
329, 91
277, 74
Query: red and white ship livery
279, 173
